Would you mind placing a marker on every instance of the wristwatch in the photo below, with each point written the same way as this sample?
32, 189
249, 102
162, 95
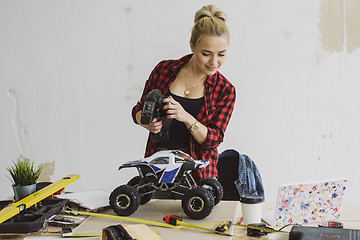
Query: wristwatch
194, 127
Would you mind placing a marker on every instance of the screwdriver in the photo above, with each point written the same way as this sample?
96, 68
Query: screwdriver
223, 226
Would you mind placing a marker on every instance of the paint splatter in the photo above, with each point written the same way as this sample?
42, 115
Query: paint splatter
308, 203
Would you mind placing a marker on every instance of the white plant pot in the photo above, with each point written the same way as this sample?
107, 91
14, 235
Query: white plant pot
23, 191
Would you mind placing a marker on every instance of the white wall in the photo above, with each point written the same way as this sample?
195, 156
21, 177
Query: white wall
70, 72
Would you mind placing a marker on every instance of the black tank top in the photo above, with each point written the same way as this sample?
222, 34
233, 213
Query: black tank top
179, 134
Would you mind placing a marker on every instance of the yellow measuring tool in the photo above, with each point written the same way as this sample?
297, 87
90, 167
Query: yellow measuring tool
177, 221
179, 224
16, 207
159, 224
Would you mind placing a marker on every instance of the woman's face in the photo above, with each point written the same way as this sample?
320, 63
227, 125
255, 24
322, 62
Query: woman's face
210, 53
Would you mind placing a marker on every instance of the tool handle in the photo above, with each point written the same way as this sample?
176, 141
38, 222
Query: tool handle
172, 219
223, 226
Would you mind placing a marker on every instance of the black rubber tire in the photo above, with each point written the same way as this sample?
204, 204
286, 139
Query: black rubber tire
214, 186
124, 200
146, 198
197, 203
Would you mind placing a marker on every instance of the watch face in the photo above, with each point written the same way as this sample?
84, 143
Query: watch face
194, 127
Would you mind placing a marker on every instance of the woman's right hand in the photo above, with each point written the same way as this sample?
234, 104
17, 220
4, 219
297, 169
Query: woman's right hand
155, 126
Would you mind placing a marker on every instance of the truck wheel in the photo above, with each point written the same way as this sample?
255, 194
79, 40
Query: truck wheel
214, 186
124, 200
135, 183
197, 203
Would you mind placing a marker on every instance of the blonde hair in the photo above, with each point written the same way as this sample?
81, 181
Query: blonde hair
209, 20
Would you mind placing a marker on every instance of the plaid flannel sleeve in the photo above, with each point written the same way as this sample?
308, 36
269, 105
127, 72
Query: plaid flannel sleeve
220, 120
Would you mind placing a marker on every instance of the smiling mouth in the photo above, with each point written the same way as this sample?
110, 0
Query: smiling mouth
211, 68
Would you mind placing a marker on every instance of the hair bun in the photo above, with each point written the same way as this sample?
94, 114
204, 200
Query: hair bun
209, 20
211, 11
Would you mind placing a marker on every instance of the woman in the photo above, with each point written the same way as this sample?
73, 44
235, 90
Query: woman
200, 100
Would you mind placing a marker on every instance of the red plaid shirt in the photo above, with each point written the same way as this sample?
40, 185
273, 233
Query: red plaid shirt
219, 96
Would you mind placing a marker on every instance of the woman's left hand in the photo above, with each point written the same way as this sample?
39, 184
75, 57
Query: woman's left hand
175, 110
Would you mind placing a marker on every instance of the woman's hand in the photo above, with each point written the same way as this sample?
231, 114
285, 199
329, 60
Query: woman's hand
175, 110
154, 127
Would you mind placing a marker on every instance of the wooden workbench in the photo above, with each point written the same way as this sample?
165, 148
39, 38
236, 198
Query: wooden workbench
156, 209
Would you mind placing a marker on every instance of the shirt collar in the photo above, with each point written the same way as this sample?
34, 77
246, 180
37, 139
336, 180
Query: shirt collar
212, 79
175, 66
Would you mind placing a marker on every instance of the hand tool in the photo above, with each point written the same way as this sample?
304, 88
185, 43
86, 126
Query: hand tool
176, 221
223, 227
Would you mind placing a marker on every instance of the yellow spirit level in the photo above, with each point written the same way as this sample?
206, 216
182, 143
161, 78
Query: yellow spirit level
16, 207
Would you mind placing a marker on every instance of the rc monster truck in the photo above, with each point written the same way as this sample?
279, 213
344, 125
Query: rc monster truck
167, 171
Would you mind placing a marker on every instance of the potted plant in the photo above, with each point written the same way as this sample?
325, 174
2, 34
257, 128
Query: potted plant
24, 177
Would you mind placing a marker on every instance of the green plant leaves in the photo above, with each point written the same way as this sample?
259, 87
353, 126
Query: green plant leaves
23, 172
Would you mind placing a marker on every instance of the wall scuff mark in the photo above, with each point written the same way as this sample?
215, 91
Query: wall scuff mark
332, 25
352, 21
49, 168
340, 25
20, 131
